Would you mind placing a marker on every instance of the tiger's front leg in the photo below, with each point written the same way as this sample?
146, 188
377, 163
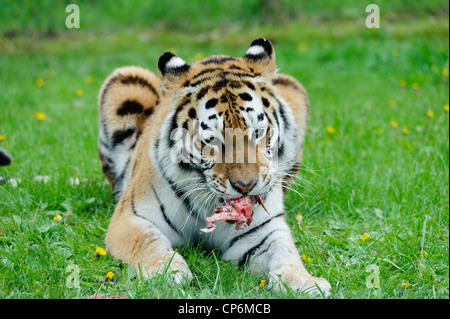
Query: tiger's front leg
276, 255
138, 242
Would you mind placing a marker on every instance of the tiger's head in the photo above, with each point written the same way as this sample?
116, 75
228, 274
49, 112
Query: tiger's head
226, 121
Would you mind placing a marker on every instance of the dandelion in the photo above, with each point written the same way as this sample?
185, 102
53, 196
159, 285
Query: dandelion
405, 284
262, 283
89, 79
79, 93
299, 217
365, 237
100, 251
68, 213
392, 102
2, 138
109, 275
306, 259
446, 108
39, 116
430, 114
395, 259
198, 56
402, 83
331, 130
303, 47
415, 86
423, 255
57, 218
445, 72
394, 124
40, 82
405, 131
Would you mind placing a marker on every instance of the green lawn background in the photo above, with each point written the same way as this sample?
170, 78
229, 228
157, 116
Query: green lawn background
362, 174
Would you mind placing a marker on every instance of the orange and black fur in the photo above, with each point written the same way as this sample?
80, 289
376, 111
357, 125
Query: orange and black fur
161, 142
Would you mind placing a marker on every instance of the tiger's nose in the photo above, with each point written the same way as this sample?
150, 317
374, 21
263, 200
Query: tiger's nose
243, 188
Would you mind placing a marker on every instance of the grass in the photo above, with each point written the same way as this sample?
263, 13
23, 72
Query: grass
361, 177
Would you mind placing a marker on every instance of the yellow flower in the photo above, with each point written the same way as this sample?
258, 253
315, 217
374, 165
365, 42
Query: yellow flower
262, 283
299, 218
198, 56
303, 47
430, 114
415, 86
57, 218
109, 275
446, 108
405, 284
423, 255
402, 83
331, 130
39, 115
68, 213
394, 124
365, 237
395, 259
40, 82
89, 79
2, 137
100, 251
405, 131
445, 72
305, 259
79, 93
392, 102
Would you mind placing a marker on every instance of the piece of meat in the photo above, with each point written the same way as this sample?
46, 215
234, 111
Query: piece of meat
238, 211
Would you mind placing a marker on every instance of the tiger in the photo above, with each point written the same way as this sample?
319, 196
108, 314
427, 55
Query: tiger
161, 141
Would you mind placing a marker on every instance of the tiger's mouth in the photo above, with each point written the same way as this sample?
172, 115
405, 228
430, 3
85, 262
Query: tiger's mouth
235, 211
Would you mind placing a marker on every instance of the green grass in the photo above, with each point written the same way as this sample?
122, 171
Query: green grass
367, 177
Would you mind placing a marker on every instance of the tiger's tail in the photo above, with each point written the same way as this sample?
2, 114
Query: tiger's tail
125, 102
5, 158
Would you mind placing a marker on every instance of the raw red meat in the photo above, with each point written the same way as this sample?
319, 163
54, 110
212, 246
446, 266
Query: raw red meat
238, 211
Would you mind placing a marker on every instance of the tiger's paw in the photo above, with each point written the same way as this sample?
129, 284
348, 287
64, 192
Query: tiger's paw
177, 269
313, 286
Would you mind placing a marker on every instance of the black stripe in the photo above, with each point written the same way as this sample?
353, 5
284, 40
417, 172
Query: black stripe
251, 231
211, 103
180, 194
246, 257
245, 97
138, 80
205, 71
283, 115
119, 136
217, 60
163, 211
119, 179
130, 107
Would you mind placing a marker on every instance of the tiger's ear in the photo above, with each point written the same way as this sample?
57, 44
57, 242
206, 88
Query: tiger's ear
261, 57
173, 71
